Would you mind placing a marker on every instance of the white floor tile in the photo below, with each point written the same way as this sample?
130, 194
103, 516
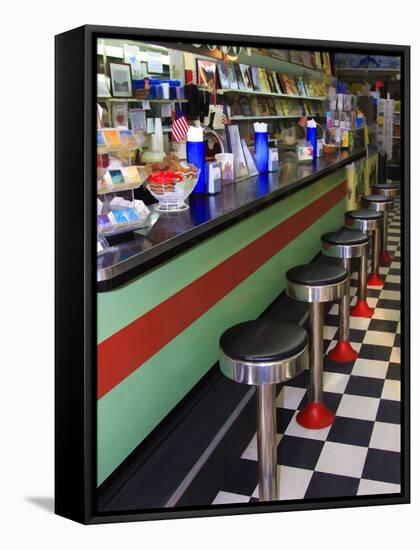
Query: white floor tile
399, 328
393, 279
292, 483
357, 406
335, 382
379, 338
294, 429
395, 355
223, 497
359, 323
370, 487
390, 295
391, 390
370, 368
329, 332
334, 310
341, 459
386, 436
387, 314
290, 397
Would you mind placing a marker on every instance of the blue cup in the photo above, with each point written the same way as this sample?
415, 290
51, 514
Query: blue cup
311, 136
196, 156
261, 151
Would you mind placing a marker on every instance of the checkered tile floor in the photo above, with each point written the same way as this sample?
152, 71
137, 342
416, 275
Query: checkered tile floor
360, 453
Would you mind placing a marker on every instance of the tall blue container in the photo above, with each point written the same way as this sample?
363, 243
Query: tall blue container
196, 156
311, 136
261, 152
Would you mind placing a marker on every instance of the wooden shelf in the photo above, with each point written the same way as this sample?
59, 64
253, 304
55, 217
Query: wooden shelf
269, 94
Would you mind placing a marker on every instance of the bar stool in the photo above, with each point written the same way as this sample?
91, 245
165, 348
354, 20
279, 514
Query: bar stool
368, 221
390, 191
345, 244
316, 284
264, 353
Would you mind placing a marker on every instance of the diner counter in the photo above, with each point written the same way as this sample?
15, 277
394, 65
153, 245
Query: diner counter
172, 233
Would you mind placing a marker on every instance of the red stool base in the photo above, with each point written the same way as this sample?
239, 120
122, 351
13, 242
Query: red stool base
385, 259
315, 416
375, 280
361, 309
343, 353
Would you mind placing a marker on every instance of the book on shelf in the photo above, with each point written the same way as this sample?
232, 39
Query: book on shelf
295, 57
246, 77
222, 71
301, 86
263, 106
255, 109
233, 83
271, 106
263, 79
239, 79
245, 106
284, 106
256, 79
306, 58
317, 60
278, 107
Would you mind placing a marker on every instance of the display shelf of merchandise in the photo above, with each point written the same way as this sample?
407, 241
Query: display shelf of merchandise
222, 91
280, 65
122, 149
268, 117
125, 228
119, 188
135, 100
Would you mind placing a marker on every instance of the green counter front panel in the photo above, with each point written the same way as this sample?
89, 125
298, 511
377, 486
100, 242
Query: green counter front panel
130, 410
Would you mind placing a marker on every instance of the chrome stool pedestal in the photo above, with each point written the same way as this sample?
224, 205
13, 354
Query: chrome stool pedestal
316, 284
389, 192
264, 353
369, 222
345, 244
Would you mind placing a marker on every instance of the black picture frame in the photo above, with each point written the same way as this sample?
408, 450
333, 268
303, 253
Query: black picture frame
75, 270
129, 82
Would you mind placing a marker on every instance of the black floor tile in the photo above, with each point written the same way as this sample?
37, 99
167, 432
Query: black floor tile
373, 292
357, 335
284, 416
330, 485
397, 341
382, 466
242, 478
333, 366
389, 411
394, 271
364, 386
392, 286
394, 371
383, 326
379, 353
300, 381
299, 452
351, 431
388, 304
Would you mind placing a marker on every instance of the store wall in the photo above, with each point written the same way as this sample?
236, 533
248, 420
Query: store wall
158, 335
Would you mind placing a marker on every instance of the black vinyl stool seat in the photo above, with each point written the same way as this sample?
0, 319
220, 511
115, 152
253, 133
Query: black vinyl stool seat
389, 190
345, 237
363, 214
264, 353
316, 284
346, 244
370, 221
263, 340
381, 203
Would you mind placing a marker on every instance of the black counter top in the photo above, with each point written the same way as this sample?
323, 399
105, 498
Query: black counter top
172, 233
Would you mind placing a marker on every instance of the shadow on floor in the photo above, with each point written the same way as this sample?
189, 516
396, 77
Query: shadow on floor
46, 503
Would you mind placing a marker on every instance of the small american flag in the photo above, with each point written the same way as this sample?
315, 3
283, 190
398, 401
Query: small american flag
179, 125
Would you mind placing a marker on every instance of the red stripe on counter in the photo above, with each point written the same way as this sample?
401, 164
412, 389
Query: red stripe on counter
126, 350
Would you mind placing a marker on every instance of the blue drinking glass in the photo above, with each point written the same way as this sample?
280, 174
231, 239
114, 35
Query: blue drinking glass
196, 156
311, 136
261, 151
